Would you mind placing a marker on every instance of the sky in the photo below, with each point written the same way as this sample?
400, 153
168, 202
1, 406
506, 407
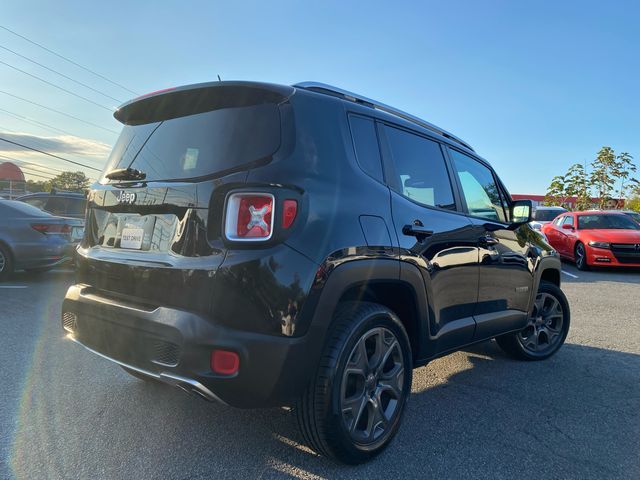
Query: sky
533, 86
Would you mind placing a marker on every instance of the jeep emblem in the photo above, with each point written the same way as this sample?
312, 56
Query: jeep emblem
126, 197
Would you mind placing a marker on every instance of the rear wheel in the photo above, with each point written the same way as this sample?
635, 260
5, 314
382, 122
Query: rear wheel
546, 329
6, 263
581, 257
352, 409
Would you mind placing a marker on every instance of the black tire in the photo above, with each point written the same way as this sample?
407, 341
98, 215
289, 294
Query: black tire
580, 254
6, 263
138, 375
547, 323
385, 385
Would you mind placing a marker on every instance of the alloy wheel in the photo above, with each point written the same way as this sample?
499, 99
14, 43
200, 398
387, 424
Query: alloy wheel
544, 328
580, 256
372, 386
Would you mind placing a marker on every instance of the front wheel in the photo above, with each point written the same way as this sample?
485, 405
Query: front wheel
6, 263
353, 406
581, 257
546, 329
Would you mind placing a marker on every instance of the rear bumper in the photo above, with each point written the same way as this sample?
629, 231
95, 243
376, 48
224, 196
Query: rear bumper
174, 346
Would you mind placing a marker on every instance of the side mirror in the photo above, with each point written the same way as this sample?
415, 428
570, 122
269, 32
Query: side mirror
567, 226
521, 212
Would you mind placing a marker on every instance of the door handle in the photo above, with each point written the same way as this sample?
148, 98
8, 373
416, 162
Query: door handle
488, 241
417, 230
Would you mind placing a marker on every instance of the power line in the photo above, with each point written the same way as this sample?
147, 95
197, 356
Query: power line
58, 111
24, 162
61, 74
38, 140
31, 171
68, 60
57, 86
35, 122
50, 154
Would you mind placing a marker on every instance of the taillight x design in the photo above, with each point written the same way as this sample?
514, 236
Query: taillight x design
250, 216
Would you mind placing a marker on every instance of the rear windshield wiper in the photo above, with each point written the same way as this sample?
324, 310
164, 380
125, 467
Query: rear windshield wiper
126, 174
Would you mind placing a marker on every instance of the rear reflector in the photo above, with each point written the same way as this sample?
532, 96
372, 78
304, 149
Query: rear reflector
289, 211
51, 228
249, 216
225, 362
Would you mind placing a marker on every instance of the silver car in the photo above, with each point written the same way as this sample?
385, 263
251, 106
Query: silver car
33, 240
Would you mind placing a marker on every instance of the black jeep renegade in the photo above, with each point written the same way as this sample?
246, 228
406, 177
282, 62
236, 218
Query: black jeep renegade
263, 245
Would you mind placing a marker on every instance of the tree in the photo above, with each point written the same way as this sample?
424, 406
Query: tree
577, 185
557, 192
38, 186
623, 170
603, 175
70, 181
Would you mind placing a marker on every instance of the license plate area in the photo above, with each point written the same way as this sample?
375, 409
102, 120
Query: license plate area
135, 232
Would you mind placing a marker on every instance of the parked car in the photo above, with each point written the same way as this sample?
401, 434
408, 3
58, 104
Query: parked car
264, 245
596, 238
64, 204
634, 215
544, 215
33, 240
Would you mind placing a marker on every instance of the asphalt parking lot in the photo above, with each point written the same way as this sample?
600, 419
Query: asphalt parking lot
65, 413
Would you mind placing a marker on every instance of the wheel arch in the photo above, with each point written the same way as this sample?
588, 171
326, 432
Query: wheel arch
380, 281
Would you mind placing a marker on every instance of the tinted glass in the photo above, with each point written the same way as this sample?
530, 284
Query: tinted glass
76, 206
365, 142
604, 222
14, 208
57, 205
420, 169
568, 220
546, 215
479, 187
38, 202
200, 144
635, 216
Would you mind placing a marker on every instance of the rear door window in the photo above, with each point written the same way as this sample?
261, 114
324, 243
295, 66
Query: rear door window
200, 144
365, 142
420, 170
481, 192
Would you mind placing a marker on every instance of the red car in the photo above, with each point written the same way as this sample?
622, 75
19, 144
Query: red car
595, 238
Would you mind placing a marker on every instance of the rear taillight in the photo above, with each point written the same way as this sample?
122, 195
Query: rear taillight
289, 211
249, 216
51, 228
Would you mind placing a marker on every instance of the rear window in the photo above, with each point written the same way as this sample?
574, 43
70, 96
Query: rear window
22, 208
546, 215
202, 144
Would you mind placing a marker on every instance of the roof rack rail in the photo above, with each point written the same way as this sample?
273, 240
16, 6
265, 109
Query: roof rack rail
354, 97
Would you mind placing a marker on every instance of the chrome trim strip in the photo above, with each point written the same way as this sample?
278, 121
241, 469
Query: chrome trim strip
170, 379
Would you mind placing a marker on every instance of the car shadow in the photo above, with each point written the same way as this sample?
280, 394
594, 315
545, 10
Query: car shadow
473, 414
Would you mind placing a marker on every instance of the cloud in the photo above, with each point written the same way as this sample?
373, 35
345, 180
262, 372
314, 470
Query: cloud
59, 145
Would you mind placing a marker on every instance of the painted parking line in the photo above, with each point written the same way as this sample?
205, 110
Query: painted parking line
13, 286
570, 274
